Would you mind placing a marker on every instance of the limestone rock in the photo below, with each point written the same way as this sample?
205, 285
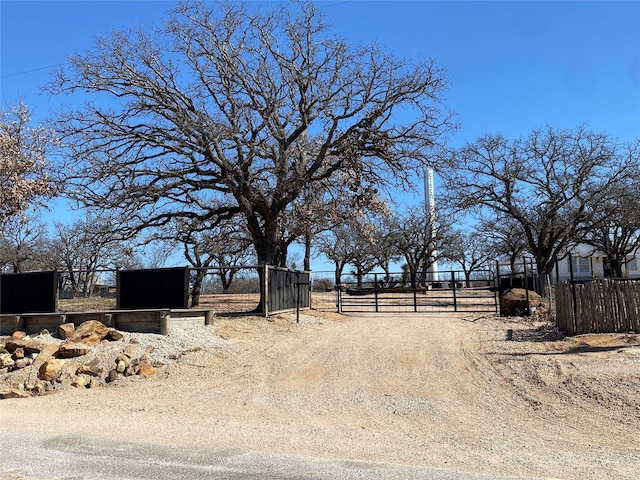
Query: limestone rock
113, 376
27, 346
514, 301
19, 335
134, 367
147, 370
13, 393
121, 367
114, 335
22, 363
65, 378
72, 349
66, 330
131, 350
90, 333
36, 389
47, 353
50, 369
80, 382
6, 360
124, 359
18, 353
92, 368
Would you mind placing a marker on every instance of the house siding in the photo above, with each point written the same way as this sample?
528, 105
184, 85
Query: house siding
588, 265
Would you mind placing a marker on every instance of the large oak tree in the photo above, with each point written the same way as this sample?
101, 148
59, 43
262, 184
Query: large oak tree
231, 110
549, 183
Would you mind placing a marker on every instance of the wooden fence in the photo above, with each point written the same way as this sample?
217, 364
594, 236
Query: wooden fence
605, 306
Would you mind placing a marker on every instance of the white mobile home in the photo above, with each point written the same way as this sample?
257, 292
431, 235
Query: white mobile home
589, 264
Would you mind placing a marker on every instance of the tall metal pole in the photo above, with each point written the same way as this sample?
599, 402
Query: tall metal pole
430, 213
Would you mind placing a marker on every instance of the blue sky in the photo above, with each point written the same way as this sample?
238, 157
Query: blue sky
512, 66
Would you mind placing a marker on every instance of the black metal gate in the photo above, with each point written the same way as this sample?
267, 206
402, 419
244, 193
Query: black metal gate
450, 291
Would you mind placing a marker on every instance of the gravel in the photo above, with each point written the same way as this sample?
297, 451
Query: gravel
168, 348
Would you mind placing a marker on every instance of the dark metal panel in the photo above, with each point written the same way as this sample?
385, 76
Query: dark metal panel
288, 289
153, 288
34, 292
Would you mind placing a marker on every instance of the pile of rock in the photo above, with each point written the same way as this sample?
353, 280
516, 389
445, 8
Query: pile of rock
514, 302
41, 364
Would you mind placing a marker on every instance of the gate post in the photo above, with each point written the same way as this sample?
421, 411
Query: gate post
265, 289
415, 292
375, 289
526, 284
338, 288
453, 286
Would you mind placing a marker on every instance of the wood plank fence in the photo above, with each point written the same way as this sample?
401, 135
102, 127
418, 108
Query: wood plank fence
605, 306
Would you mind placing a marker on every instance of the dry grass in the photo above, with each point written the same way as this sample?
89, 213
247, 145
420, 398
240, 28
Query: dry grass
467, 300
88, 304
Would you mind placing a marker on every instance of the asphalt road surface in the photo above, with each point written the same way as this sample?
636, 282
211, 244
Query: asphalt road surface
73, 458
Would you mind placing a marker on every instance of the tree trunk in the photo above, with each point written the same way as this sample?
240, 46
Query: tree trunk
338, 274
197, 287
307, 252
616, 267
224, 280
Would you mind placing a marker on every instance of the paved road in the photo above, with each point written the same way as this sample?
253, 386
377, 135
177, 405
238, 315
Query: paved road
73, 458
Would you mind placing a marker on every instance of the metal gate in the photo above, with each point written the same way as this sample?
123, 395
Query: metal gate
450, 291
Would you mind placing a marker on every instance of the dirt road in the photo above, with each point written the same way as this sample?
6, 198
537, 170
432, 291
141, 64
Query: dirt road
446, 392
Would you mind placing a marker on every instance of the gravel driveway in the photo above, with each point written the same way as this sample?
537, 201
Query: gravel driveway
445, 394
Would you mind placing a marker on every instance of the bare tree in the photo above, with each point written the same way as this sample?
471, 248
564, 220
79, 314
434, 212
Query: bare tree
545, 182
383, 243
225, 245
156, 253
351, 243
420, 239
24, 244
325, 206
470, 250
505, 239
84, 248
24, 168
362, 259
226, 111
616, 230
336, 245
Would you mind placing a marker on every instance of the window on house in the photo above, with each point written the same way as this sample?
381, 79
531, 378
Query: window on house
632, 264
581, 265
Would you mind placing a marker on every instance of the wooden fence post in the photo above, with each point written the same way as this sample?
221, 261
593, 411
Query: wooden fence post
19, 324
165, 322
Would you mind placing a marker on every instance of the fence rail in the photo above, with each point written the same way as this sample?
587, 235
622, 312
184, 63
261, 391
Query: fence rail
425, 292
606, 306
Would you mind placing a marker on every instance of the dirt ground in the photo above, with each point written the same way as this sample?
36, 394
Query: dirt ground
447, 391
